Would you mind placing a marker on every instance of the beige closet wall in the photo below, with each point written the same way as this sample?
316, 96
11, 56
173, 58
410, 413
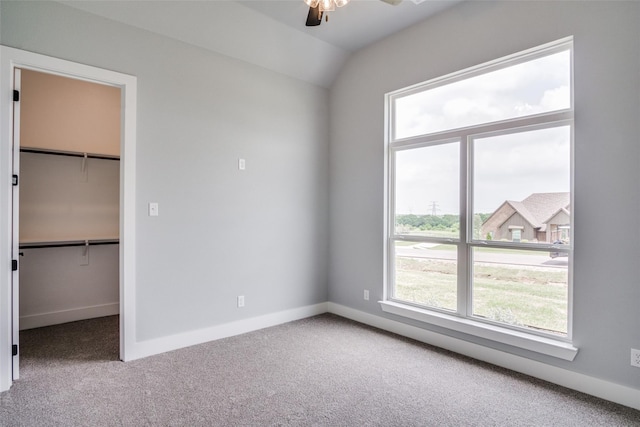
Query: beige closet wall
68, 198
65, 114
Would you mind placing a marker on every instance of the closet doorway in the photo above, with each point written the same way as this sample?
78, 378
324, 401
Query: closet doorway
72, 205
68, 198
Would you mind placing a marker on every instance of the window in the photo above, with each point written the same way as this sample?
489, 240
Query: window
479, 199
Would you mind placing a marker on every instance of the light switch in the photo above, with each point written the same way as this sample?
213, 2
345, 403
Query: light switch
241, 164
153, 209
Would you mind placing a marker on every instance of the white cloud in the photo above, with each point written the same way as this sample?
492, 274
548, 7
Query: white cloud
556, 99
511, 167
532, 87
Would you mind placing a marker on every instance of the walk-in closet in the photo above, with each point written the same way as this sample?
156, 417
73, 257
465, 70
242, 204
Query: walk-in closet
69, 196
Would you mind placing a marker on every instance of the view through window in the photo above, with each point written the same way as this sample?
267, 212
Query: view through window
480, 192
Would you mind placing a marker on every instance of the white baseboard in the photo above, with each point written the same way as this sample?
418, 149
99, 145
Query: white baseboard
56, 317
173, 342
586, 384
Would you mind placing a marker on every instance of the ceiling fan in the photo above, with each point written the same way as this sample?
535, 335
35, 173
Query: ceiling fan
317, 9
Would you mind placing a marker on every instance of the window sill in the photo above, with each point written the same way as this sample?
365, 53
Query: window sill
547, 346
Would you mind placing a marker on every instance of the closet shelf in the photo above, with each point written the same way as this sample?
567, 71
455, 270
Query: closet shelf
68, 153
68, 243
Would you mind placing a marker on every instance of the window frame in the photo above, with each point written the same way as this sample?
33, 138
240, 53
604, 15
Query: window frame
463, 320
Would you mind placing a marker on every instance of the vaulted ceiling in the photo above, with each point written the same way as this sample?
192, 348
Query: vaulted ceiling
270, 33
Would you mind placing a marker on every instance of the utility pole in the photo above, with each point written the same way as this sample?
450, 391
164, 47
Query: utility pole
434, 208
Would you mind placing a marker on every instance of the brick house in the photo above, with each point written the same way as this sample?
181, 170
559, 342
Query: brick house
541, 217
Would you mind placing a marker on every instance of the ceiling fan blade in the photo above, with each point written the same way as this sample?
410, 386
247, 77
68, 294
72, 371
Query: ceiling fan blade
314, 17
392, 2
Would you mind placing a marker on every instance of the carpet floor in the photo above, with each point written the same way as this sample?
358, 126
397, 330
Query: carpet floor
321, 371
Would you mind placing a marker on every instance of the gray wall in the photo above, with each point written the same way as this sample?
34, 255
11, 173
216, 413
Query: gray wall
607, 151
261, 233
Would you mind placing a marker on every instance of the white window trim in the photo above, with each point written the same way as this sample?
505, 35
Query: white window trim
547, 344
543, 345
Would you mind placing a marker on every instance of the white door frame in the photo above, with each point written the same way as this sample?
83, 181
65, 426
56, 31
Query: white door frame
10, 59
15, 246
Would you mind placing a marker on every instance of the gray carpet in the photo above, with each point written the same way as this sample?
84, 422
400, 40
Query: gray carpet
321, 371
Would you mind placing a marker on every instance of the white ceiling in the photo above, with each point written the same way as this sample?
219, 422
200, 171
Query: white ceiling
354, 26
270, 33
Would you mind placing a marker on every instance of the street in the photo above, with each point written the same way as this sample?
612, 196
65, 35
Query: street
530, 258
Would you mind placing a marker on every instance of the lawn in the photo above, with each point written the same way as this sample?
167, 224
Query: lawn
519, 295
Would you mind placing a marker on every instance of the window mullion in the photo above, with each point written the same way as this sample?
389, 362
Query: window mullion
463, 250
389, 249
543, 120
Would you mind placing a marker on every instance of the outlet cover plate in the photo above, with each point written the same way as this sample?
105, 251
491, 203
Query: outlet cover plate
635, 358
153, 209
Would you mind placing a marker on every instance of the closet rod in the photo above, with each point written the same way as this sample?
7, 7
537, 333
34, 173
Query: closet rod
68, 154
68, 244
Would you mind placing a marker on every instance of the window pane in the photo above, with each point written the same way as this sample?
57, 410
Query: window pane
521, 190
533, 87
426, 274
521, 288
427, 191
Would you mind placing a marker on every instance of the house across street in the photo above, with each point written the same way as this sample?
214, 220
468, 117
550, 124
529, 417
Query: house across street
541, 217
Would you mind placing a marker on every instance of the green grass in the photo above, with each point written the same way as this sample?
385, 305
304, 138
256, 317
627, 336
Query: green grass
526, 296
405, 243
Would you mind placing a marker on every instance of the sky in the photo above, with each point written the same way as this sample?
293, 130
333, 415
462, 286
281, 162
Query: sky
506, 167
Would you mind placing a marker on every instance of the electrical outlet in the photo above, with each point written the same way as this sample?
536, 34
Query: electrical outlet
366, 294
635, 358
240, 301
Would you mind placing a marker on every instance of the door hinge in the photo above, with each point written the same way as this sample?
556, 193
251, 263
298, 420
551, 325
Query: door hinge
16, 95
14, 265
15, 180
14, 350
